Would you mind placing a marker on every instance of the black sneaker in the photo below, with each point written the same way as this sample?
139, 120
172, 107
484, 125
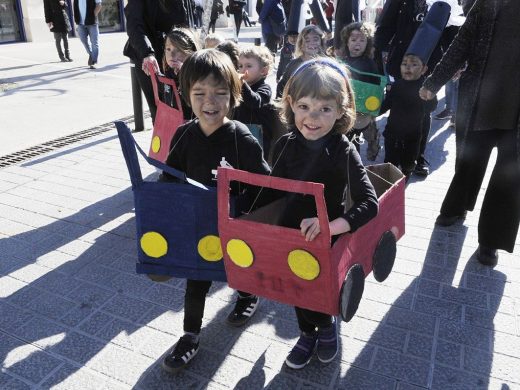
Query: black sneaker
327, 343
421, 168
487, 256
444, 114
243, 311
181, 354
302, 352
89, 62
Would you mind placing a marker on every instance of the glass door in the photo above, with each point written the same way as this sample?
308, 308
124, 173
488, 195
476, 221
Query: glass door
10, 30
110, 17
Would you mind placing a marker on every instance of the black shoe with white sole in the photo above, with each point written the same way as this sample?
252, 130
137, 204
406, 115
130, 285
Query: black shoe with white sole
181, 354
243, 311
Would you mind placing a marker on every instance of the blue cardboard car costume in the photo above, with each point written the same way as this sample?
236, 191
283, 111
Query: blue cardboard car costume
177, 232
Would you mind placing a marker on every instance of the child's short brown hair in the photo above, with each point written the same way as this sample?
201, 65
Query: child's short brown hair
261, 53
367, 29
210, 62
322, 78
231, 49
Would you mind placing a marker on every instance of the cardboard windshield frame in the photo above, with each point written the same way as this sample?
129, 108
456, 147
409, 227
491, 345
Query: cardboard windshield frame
173, 220
269, 273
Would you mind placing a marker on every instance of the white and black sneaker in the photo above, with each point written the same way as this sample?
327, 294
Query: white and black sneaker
181, 354
245, 307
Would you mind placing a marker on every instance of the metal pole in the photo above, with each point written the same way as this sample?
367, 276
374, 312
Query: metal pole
137, 100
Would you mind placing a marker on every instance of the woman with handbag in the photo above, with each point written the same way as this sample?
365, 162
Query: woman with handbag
273, 20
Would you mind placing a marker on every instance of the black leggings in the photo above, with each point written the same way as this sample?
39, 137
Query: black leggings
238, 20
194, 302
308, 320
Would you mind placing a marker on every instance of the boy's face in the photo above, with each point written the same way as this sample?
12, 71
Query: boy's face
357, 43
251, 69
314, 117
292, 39
174, 57
210, 102
412, 68
311, 46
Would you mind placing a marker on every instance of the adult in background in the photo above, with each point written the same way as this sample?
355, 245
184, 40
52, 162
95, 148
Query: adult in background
235, 8
58, 21
487, 117
86, 17
271, 9
147, 21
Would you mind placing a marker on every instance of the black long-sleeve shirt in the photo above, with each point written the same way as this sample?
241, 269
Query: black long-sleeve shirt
333, 161
407, 109
254, 98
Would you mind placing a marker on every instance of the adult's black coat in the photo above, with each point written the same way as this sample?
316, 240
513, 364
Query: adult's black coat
57, 15
144, 35
471, 45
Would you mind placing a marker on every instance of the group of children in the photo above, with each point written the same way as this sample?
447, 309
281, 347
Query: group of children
224, 92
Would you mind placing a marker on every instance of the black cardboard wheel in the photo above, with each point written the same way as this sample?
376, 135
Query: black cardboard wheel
384, 256
351, 292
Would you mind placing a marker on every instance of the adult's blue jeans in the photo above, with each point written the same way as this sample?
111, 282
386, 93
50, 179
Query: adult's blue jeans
92, 47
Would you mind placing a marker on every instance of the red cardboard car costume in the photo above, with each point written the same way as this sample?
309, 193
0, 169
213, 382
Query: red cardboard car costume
276, 262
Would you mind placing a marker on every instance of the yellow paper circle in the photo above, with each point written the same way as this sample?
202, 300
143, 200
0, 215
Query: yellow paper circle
240, 253
372, 103
156, 144
209, 248
154, 244
303, 264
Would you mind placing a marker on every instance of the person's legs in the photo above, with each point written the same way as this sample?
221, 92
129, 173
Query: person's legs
371, 134
238, 21
83, 37
57, 41
408, 154
271, 42
93, 31
194, 302
355, 10
65, 38
146, 86
469, 173
500, 213
392, 150
421, 168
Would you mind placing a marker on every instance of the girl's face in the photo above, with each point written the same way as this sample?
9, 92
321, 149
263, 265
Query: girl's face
311, 45
357, 43
174, 56
412, 68
210, 102
251, 69
314, 117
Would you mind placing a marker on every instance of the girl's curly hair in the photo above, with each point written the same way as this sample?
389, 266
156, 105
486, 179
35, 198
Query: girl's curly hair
367, 29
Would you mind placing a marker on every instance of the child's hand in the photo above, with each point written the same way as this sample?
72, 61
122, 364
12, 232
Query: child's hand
310, 228
426, 94
243, 77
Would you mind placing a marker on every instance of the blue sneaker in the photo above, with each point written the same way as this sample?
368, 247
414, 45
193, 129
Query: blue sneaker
302, 352
328, 342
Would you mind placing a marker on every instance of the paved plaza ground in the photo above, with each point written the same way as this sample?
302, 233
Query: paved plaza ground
75, 315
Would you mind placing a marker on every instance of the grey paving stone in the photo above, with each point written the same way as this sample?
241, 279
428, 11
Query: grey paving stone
132, 285
97, 321
77, 347
420, 346
9, 382
57, 283
30, 363
90, 294
495, 365
206, 363
491, 285
155, 378
250, 347
355, 378
447, 378
428, 287
282, 382
438, 274
12, 317
411, 320
24, 296
126, 307
76, 315
50, 305
218, 335
37, 329
400, 366
162, 319
69, 377
166, 295
389, 337
438, 307
95, 273
464, 296
407, 386
449, 354
468, 335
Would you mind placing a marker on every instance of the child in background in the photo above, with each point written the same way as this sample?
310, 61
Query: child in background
179, 44
286, 54
213, 40
357, 41
318, 107
404, 127
310, 44
231, 49
254, 65
213, 87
